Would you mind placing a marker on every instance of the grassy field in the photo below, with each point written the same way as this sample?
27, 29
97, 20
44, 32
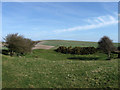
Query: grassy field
68, 43
49, 69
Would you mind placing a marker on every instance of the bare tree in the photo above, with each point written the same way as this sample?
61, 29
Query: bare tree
106, 45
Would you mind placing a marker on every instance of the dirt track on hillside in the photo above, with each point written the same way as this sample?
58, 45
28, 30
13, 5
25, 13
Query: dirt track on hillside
40, 46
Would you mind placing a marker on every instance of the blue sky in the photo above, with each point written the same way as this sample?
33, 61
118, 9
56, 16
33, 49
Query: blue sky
82, 21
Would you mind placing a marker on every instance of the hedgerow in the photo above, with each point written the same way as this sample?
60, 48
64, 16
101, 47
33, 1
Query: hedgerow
76, 50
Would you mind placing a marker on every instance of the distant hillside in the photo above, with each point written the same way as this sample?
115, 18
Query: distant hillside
68, 43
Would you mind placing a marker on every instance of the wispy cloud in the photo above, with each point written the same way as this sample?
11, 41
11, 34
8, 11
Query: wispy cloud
96, 22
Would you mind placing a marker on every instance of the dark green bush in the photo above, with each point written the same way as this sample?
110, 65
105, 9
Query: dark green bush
119, 52
83, 50
76, 50
5, 52
18, 45
62, 49
69, 49
106, 45
119, 48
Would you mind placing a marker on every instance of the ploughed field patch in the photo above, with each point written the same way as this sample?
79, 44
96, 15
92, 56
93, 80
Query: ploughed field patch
40, 46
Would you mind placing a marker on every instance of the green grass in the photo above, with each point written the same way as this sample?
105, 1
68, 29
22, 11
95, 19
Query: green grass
68, 43
49, 69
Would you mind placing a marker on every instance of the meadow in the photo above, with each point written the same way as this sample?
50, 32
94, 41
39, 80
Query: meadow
50, 69
68, 43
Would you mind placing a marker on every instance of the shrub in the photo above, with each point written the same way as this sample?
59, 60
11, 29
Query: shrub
76, 50
69, 49
119, 52
5, 52
83, 50
118, 48
106, 45
62, 49
18, 44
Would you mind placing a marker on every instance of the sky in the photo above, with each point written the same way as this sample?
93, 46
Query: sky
81, 21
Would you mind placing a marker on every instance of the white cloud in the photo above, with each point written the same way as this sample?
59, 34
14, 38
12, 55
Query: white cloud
96, 22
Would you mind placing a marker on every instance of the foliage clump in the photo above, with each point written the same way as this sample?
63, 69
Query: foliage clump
119, 51
64, 49
83, 50
106, 45
76, 50
18, 45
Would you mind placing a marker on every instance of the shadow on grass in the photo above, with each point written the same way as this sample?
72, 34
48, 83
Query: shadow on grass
84, 58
